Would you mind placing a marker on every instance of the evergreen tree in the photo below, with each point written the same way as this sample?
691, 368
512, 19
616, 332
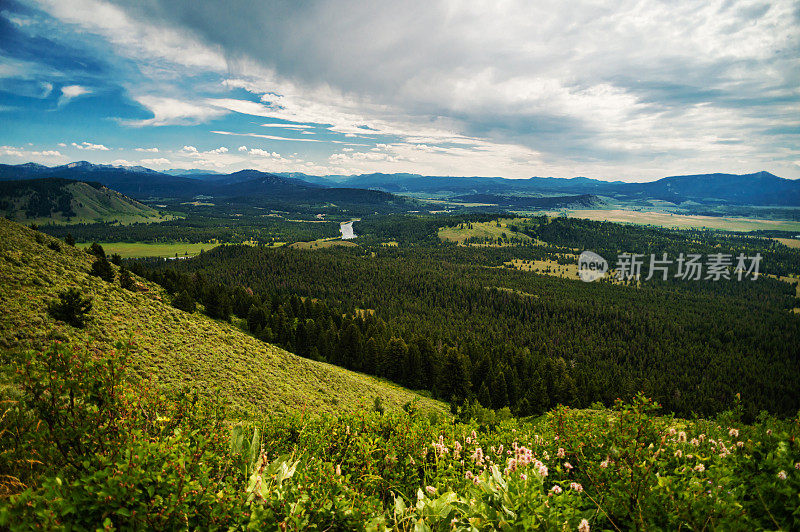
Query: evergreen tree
71, 308
125, 279
96, 250
184, 302
102, 268
69, 240
455, 376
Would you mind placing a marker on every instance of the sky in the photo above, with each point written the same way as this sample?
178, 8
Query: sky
620, 90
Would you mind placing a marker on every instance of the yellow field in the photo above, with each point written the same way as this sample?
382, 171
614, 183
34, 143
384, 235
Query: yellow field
793, 243
682, 221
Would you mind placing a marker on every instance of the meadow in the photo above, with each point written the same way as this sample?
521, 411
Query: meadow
684, 221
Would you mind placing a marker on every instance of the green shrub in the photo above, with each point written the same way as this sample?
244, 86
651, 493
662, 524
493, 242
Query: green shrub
116, 258
96, 250
125, 279
69, 240
55, 246
71, 307
102, 268
184, 302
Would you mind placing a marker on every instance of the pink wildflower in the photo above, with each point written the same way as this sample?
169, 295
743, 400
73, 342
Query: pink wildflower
560, 452
567, 465
782, 475
556, 489
430, 489
583, 526
576, 487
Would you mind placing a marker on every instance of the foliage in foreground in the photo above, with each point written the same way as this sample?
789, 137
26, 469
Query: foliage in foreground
81, 448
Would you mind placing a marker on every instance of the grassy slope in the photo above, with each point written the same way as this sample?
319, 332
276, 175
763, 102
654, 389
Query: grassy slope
94, 205
173, 348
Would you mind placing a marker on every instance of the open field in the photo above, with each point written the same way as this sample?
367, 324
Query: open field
131, 250
322, 243
492, 230
546, 267
793, 243
682, 221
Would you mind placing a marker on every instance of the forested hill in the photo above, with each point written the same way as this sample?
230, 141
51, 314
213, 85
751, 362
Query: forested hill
56, 200
172, 347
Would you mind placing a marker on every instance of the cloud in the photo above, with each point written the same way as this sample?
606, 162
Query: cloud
172, 111
242, 148
30, 155
160, 161
148, 150
633, 89
89, 146
122, 162
69, 92
269, 137
221, 149
189, 149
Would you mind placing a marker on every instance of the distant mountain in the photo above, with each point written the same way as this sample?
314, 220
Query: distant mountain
57, 200
251, 187
761, 188
581, 201
191, 172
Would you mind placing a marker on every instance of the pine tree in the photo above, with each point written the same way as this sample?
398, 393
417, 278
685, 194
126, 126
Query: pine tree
125, 279
71, 308
184, 302
102, 268
455, 376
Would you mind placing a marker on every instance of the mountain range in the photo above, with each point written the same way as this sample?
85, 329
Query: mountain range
760, 188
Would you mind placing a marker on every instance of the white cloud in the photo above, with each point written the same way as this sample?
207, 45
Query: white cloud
269, 137
26, 155
172, 111
70, 92
160, 161
242, 148
89, 146
122, 162
189, 149
221, 149
147, 150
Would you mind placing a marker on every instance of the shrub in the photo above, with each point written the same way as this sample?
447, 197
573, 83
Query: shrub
116, 258
55, 246
125, 279
71, 308
102, 268
69, 240
96, 250
184, 302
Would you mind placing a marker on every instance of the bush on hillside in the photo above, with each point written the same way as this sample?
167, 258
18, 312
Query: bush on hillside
184, 302
125, 279
71, 308
102, 268
96, 250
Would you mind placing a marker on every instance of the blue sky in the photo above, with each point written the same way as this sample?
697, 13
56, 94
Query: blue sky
632, 91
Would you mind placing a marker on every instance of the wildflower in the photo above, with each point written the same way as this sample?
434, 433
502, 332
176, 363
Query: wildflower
700, 468
604, 463
546, 455
431, 490
338, 470
468, 475
469, 440
556, 489
769, 432
797, 465
695, 442
477, 456
583, 526
733, 433
523, 476
678, 453
576, 487
681, 436
672, 431
567, 465
473, 435
782, 475
702, 437
740, 444
560, 452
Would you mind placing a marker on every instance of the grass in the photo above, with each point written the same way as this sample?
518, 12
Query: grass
494, 230
323, 243
684, 221
172, 348
161, 249
793, 243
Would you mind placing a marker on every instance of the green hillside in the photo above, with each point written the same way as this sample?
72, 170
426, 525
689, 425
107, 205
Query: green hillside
63, 201
172, 348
